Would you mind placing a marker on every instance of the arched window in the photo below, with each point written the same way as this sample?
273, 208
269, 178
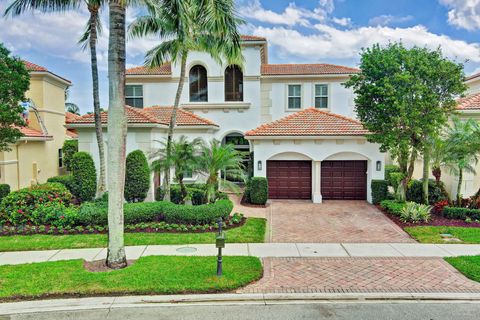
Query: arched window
233, 84
198, 84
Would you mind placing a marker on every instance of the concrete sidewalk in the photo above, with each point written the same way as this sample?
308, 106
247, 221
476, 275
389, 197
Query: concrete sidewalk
262, 250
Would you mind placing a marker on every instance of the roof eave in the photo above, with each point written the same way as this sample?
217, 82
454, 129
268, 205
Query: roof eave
309, 75
309, 137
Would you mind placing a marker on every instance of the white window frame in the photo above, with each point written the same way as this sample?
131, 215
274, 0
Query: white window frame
315, 95
287, 108
136, 97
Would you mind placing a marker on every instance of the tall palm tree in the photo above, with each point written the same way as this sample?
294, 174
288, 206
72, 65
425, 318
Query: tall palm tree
183, 158
88, 39
72, 108
216, 158
184, 26
462, 149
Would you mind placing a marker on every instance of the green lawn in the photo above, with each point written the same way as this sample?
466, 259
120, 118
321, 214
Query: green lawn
148, 275
468, 265
432, 234
252, 231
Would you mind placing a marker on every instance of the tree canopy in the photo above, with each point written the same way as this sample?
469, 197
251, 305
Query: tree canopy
15, 81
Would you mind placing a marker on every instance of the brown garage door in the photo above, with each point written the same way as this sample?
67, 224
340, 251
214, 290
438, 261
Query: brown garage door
344, 180
289, 179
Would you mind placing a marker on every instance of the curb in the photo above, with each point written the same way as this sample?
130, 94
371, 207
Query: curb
76, 304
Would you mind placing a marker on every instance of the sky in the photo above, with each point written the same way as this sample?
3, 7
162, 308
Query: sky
316, 31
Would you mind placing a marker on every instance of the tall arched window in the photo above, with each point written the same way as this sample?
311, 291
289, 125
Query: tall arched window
233, 84
198, 84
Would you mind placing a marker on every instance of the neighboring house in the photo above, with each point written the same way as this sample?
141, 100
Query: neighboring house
297, 119
37, 155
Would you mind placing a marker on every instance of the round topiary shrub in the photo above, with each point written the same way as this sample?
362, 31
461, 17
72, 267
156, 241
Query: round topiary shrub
84, 185
137, 177
70, 147
258, 190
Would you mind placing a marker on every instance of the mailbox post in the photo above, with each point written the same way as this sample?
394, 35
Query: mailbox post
220, 243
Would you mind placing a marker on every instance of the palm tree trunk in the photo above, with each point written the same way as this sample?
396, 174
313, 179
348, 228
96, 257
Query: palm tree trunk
117, 131
173, 121
96, 97
437, 173
426, 171
459, 187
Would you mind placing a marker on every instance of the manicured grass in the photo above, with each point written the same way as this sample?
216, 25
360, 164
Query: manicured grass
252, 231
148, 275
432, 234
468, 265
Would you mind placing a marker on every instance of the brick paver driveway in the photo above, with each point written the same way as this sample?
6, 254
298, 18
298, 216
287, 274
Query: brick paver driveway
407, 275
331, 221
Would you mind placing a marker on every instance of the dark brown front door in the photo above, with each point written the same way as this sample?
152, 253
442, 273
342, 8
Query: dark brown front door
344, 180
289, 179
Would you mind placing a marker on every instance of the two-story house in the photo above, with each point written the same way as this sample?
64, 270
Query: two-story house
38, 154
296, 119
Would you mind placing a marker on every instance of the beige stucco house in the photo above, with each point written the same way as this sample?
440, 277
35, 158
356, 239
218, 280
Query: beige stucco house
37, 155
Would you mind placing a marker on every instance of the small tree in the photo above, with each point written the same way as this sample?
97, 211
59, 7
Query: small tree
403, 97
70, 147
14, 82
137, 177
84, 176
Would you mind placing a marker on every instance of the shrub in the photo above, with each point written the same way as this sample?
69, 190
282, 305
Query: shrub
92, 213
66, 180
379, 191
389, 169
246, 192
461, 213
4, 191
415, 212
392, 206
17, 208
137, 177
438, 206
395, 178
197, 192
436, 192
70, 147
55, 213
258, 190
84, 184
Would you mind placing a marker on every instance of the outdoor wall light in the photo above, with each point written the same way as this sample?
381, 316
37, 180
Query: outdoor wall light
379, 165
259, 165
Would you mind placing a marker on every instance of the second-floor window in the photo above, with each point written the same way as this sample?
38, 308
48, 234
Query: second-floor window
134, 95
321, 96
198, 84
294, 96
233, 84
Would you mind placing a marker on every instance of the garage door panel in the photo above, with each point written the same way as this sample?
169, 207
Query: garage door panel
345, 180
289, 179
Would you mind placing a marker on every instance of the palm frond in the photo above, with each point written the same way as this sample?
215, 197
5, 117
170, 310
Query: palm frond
19, 7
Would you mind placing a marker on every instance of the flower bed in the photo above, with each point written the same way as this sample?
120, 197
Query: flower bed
234, 221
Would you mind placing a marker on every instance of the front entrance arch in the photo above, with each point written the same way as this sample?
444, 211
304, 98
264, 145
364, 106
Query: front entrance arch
237, 139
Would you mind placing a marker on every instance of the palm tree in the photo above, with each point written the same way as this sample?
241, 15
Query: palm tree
215, 158
88, 39
184, 26
462, 149
437, 156
72, 108
183, 158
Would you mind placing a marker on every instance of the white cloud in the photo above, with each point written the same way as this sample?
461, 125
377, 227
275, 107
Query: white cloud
329, 42
463, 14
344, 22
387, 19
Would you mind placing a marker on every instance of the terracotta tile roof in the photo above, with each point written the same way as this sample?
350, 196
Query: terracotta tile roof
71, 133
71, 116
470, 102
164, 69
151, 115
32, 133
252, 38
311, 122
34, 67
305, 69
473, 76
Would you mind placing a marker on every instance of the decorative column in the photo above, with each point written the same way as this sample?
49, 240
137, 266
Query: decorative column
316, 182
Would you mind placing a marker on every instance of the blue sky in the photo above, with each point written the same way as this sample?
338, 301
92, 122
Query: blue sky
328, 31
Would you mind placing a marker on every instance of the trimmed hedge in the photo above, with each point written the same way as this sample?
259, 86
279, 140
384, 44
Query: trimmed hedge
379, 191
21, 207
137, 177
70, 147
66, 180
91, 213
4, 191
84, 185
389, 169
393, 207
461, 213
436, 192
258, 190
196, 191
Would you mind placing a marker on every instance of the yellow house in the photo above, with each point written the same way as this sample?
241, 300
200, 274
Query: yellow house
37, 155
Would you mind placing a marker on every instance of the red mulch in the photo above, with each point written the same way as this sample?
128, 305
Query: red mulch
435, 221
